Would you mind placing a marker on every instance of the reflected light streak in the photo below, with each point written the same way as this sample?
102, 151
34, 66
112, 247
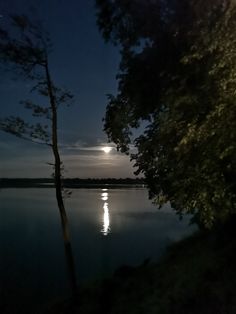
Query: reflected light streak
104, 196
106, 220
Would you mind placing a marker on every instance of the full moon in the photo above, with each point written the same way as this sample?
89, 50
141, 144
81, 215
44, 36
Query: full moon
107, 149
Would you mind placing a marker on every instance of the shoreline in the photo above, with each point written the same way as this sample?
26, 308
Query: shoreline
196, 275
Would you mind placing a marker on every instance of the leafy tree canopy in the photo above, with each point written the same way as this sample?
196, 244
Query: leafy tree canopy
177, 73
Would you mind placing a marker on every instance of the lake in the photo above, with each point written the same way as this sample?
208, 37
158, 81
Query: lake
108, 228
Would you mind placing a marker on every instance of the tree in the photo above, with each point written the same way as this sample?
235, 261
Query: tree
177, 74
25, 50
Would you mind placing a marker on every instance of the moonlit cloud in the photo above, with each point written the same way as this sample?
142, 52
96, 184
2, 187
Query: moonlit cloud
98, 165
93, 146
23, 159
107, 149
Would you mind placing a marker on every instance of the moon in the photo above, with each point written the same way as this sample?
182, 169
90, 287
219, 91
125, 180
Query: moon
107, 149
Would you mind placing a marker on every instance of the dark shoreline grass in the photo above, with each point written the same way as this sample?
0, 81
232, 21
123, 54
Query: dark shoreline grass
197, 275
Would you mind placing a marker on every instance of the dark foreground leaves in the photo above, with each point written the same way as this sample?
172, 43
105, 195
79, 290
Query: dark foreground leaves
197, 275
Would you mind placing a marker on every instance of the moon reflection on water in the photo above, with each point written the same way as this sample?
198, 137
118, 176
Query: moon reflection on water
106, 215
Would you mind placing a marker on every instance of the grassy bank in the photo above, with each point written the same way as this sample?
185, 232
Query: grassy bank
197, 275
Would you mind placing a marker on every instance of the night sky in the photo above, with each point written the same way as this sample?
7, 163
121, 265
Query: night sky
84, 64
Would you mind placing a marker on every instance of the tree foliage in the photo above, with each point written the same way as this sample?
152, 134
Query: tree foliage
178, 74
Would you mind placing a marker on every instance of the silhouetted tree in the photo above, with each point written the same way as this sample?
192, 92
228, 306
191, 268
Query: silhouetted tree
25, 50
177, 73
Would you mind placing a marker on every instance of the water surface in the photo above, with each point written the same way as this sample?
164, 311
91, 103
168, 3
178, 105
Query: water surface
108, 228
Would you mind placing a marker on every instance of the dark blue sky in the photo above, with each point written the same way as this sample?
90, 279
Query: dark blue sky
84, 64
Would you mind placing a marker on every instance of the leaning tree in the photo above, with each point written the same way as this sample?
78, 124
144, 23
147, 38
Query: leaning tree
25, 49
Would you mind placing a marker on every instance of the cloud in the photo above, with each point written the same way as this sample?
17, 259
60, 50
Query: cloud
97, 164
93, 145
31, 161
89, 145
84, 158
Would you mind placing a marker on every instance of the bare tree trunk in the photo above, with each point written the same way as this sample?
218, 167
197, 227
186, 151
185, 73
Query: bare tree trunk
58, 186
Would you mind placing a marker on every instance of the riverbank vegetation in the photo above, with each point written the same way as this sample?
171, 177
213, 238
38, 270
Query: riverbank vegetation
177, 87
196, 275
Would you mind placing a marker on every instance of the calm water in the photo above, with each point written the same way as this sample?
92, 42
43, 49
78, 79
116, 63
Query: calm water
108, 228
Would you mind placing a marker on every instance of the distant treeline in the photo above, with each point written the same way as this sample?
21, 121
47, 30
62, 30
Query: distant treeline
70, 183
